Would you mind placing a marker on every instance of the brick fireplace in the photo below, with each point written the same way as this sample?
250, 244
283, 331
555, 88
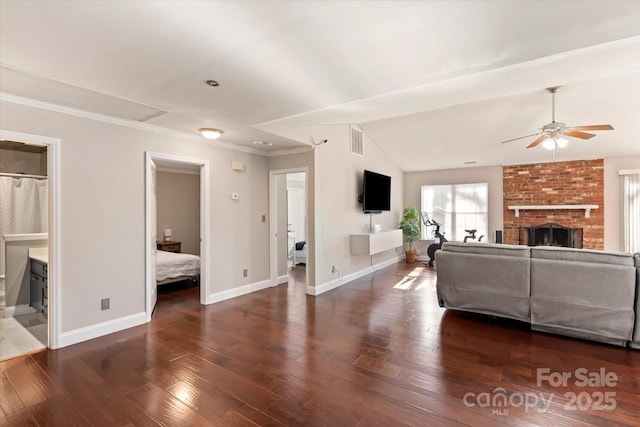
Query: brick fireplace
559, 183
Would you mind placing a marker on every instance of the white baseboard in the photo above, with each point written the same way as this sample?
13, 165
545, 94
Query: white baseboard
105, 328
16, 310
325, 287
239, 291
282, 279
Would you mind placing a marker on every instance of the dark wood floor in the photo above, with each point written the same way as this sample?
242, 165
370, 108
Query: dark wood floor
378, 351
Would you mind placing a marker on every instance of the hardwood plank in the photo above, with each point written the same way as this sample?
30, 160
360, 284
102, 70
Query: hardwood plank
57, 411
164, 407
10, 402
232, 418
29, 381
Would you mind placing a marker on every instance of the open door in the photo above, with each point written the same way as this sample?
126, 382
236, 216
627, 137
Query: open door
154, 231
151, 236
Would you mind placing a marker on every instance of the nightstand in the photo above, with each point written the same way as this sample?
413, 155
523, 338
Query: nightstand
170, 246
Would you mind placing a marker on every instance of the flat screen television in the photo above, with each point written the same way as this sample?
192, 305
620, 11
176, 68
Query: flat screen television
376, 192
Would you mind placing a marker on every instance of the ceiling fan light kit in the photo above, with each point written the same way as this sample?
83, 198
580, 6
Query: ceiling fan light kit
552, 134
554, 142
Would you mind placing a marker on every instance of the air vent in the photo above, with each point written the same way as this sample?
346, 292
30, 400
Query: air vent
357, 144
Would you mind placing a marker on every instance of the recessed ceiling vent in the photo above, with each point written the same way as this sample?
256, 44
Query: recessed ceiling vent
357, 142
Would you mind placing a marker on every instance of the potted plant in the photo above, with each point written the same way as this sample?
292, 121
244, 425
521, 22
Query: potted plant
410, 226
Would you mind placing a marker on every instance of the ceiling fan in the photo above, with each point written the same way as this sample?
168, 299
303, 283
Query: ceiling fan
551, 135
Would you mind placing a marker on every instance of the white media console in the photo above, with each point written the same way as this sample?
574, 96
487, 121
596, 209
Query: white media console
373, 243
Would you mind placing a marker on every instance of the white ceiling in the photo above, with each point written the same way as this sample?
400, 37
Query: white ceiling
435, 83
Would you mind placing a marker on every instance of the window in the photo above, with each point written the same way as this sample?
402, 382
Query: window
457, 207
631, 210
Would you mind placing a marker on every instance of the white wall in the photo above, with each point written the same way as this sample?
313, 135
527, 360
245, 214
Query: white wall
338, 213
102, 204
334, 183
613, 239
413, 181
178, 201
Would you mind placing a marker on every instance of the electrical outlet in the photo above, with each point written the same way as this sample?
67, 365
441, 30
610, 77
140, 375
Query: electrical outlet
333, 268
105, 303
245, 272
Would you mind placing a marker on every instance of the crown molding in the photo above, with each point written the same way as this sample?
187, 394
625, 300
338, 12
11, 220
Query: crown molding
145, 127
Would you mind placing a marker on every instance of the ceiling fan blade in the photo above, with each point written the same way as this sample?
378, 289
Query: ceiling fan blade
578, 134
521, 137
537, 141
593, 127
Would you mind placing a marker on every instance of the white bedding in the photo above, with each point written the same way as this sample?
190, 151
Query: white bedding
301, 255
170, 264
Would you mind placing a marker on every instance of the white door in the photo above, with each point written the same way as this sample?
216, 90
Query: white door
154, 234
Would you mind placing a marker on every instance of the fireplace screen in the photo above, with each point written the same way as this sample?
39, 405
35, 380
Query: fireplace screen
551, 234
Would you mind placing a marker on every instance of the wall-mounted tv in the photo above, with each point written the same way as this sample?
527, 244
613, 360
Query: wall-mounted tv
376, 192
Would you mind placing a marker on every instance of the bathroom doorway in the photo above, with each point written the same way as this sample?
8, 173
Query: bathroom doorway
28, 243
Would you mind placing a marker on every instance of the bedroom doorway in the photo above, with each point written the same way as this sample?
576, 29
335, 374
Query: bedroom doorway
289, 222
176, 233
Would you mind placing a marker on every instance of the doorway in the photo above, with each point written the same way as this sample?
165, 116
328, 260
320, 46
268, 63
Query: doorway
30, 316
290, 248
168, 231
178, 232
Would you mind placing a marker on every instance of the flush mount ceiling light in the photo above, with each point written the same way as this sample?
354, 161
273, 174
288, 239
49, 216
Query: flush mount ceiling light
211, 133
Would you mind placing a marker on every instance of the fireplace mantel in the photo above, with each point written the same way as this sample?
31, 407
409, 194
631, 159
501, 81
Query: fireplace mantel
587, 208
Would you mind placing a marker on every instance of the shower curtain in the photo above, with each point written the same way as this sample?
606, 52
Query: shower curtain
24, 208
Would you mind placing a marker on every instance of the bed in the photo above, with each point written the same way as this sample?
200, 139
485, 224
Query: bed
175, 267
298, 254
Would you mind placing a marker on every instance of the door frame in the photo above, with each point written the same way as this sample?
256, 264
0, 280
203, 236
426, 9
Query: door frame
273, 238
205, 228
54, 273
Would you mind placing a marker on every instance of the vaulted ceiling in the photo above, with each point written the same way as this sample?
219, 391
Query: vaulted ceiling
436, 84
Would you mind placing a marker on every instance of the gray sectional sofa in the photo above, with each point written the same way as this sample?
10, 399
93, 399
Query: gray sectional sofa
575, 292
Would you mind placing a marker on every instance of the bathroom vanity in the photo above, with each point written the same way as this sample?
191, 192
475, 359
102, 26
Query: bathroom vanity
39, 262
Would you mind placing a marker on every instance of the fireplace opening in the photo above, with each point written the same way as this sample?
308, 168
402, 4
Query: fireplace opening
551, 234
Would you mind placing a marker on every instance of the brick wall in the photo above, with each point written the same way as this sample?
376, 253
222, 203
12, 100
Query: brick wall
558, 183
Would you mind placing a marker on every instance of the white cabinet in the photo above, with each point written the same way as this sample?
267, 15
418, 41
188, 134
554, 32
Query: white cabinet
373, 243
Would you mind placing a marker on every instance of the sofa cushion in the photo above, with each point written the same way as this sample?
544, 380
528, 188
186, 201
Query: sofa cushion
582, 293
475, 279
488, 249
581, 255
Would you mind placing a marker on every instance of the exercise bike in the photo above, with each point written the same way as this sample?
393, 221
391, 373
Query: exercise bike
471, 234
431, 250
434, 247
